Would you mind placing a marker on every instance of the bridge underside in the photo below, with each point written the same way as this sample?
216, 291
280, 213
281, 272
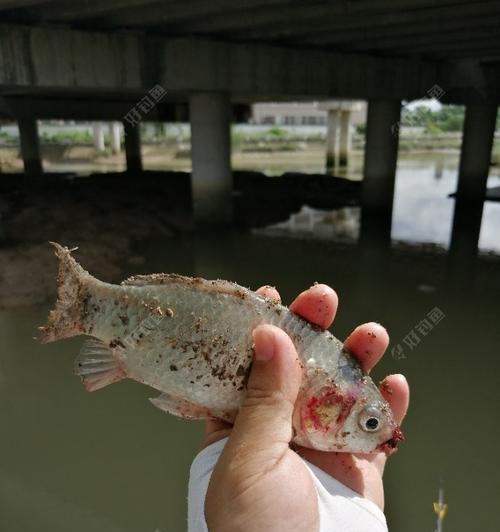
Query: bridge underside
95, 59
253, 49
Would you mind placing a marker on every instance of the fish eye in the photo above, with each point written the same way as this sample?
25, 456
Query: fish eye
369, 419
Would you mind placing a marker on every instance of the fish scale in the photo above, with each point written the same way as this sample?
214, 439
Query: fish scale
191, 339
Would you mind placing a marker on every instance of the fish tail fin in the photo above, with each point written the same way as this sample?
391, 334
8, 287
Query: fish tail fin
66, 318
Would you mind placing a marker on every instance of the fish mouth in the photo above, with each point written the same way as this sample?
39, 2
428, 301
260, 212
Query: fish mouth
391, 445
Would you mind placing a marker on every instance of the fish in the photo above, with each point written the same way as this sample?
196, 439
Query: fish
191, 340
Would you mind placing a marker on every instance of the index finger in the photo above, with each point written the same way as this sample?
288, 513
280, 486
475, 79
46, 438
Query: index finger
367, 343
317, 305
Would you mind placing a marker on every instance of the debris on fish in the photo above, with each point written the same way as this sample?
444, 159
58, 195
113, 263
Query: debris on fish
191, 339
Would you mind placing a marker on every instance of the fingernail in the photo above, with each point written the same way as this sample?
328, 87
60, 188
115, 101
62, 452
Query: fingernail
263, 344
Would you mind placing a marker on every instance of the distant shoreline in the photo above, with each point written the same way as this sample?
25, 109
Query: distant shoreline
176, 155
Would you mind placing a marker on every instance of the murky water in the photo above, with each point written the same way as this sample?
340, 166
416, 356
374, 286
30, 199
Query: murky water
422, 213
110, 461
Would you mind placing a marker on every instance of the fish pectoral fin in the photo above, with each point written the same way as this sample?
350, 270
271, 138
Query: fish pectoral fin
180, 407
97, 366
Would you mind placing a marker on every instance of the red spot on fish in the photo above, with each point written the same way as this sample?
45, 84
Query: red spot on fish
316, 410
311, 407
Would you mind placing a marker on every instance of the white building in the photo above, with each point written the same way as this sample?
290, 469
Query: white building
298, 114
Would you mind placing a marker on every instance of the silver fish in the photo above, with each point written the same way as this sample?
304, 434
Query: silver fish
191, 339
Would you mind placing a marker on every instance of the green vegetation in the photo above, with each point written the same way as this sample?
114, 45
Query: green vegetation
67, 137
449, 118
170, 133
495, 155
277, 132
436, 130
274, 139
6, 138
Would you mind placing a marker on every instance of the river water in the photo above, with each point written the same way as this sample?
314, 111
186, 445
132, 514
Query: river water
110, 461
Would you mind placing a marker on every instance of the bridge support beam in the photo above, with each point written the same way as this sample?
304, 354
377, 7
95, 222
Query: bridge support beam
475, 158
133, 147
114, 137
331, 140
211, 178
30, 146
98, 132
381, 152
381, 155
345, 138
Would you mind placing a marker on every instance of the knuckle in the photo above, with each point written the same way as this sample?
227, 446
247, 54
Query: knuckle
258, 397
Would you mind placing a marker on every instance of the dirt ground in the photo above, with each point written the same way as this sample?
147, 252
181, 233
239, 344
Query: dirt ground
103, 215
107, 214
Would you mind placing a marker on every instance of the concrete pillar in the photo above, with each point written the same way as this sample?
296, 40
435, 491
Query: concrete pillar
211, 178
98, 131
3, 236
381, 155
345, 137
133, 147
475, 158
331, 139
30, 146
381, 152
475, 155
114, 136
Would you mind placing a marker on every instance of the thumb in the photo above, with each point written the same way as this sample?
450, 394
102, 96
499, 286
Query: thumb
263, 426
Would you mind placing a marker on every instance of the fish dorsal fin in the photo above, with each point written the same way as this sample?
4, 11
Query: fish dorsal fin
157, 278
196, 283
97, 366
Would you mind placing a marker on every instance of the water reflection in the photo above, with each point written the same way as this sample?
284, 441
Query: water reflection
334, 225
422, 211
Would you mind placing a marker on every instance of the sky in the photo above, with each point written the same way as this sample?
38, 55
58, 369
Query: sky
433, 104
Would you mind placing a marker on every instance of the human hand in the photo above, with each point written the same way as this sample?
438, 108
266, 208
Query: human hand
259, 482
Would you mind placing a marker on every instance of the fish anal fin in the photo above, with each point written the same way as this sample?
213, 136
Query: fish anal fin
180, 407
97, 366
189, 410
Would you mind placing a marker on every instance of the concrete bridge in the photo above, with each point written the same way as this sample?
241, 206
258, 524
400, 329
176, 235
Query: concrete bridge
111, 60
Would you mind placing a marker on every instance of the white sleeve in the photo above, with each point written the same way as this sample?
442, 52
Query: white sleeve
340, 508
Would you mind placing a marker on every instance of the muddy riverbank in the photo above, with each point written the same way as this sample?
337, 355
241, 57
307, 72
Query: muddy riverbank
108, 215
